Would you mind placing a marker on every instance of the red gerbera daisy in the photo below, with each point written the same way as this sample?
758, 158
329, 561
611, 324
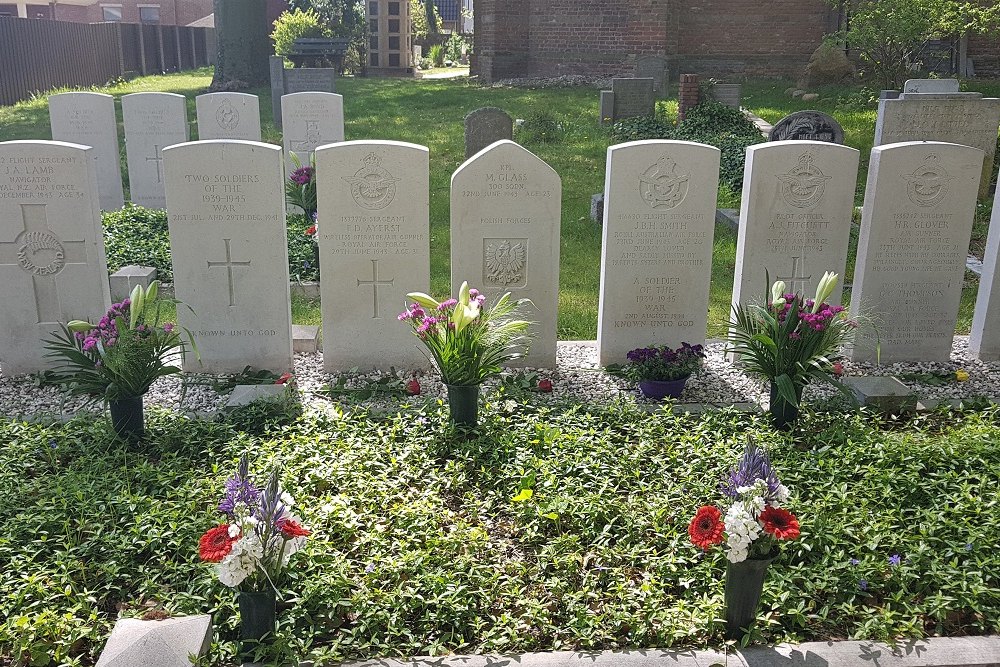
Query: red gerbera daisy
215, 544
292, 528
705, 528
780, 523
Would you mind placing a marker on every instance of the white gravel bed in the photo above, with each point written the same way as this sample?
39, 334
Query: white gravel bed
577, 379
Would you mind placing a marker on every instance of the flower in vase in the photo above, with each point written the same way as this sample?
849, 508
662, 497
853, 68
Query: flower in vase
216, 544
705, 528
780, 522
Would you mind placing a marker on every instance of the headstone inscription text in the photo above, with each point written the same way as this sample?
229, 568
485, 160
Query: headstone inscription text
153, 121
89, 119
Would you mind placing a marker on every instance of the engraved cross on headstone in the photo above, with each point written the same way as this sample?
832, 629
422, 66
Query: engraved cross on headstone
158, 159
229, 264
375, 282
794, 279
40, 253
313, 138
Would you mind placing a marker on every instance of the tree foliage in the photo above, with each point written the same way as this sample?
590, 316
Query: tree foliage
889, 35
418, 16
295, 24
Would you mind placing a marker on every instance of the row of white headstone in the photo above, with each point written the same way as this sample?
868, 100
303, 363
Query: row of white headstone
154, 121
226, 216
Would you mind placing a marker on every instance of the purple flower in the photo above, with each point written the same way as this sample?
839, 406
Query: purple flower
895, 560
302, 175
370, 568
855, 561
754, 465
239, 489
168, 326
968, 546
863, 584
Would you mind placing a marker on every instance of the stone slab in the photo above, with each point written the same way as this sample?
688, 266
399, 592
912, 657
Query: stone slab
305, 338
506, 211
486, 126
656, 263
310, 120
931, 86
730, 217
984, 338
166, 643
807, 125
374, 240
607, 108
969, 121
795, 222
225, 211
124, 280
632, 97
245, 394
597, 207
883, 393
297, 80
52, 262
914, 239
89, 119
153, 121
228, 116
653, 67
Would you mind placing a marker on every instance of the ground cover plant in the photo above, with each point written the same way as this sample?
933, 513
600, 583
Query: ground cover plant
553, 529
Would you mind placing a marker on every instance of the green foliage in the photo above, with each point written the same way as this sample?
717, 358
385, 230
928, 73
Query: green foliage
641, 128
137, 235
297, 23
266, 414
418, 19
540, 127
302, 255
425, 543
300, 186
436, 54
453, 47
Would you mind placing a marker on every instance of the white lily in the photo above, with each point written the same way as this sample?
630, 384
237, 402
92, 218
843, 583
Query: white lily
79, 326
466, 310
137, 299
777, 291
824, 289
424, 300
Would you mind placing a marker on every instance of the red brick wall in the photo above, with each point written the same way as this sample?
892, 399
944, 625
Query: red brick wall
501, 38
187, 11
985, 55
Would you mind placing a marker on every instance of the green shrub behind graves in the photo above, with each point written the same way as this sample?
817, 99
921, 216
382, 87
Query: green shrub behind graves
725, 128
137, 235
540, 127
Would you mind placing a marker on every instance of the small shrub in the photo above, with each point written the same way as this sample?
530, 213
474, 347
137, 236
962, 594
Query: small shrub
266, 413
540, 127
137, 235
640, 128
453, 47
436, 54
301, 250
725, 128
292, 25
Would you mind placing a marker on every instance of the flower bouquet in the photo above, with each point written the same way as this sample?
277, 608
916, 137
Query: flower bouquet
300, 188
119, 358
752, 527
468, 342
251, 549
660, 370
791, 341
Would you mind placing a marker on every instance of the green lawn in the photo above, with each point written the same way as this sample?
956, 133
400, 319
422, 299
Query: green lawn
430, 112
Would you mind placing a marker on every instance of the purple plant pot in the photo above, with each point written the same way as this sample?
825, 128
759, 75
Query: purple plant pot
660, 389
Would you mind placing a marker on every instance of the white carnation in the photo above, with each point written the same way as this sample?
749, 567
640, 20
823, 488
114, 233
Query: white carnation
287, 500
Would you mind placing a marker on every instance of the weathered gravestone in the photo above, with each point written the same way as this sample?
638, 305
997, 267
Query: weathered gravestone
653, 67
915, 230
52, 265
656, 260
506, 207
486, 126
931, 86
228, 116
632, 97
153, 121
89, 119
374, 199
606, 110
226, 213
795, 221
310, 120
957, 118
166, 643
984, 339
807, 126
298, 80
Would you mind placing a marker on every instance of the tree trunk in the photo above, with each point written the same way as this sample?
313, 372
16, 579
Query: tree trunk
244, 44
432, 24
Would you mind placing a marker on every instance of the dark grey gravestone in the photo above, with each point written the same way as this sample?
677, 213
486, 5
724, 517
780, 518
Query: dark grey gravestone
655, 68
597, 207
297, 80
633, 97
607, 110
484, 127
811, 125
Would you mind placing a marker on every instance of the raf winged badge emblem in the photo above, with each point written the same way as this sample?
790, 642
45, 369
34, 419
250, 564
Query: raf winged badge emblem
505, 261
804, 185
928, 184
372, 187
662, 186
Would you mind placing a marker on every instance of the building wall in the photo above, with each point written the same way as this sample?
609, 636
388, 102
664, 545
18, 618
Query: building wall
172, 12
984, 52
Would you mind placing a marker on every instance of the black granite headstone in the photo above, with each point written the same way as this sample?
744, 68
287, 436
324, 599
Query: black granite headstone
812, 125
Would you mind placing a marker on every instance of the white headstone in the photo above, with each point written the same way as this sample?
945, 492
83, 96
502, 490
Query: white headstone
52, 265
373, 202
153, 121
310, 120
795, 221
915, 230
656, 263
931, 86
226, 213
984, 339
228, 116
506, 207
89, 119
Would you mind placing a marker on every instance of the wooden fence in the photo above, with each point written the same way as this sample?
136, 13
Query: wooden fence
38, 55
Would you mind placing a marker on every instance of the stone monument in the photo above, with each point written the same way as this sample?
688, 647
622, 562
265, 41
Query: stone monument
89, 119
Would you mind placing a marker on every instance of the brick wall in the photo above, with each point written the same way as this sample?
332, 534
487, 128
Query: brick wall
172, 12
985, 55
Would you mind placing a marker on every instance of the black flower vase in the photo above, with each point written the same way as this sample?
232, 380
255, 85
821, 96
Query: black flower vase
463, 401
783, 413
744, 583
257, 614
127, 418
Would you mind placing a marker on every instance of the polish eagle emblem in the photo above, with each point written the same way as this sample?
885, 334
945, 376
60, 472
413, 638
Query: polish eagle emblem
505, 262
372, 187
804, 185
